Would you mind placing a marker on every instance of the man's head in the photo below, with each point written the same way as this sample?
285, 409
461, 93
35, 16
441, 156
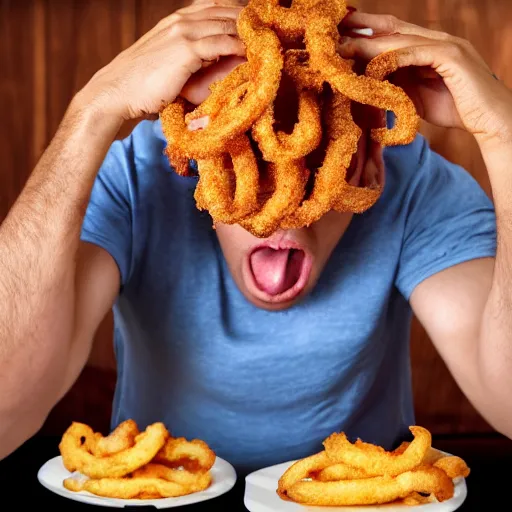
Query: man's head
277, 272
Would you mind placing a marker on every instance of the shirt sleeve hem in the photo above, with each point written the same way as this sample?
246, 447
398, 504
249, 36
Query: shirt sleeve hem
111, 248
407, 284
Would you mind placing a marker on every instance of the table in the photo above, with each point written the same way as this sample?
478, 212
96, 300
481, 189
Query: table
488, 484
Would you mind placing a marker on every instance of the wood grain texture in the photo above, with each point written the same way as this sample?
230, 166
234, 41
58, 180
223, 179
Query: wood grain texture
50, 48
82, 37
17, 92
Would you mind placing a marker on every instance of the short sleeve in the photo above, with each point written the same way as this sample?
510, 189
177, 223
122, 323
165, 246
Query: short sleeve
449, 220
108, 219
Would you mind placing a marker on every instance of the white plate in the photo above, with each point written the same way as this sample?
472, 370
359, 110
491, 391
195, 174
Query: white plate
53, 472
261, 496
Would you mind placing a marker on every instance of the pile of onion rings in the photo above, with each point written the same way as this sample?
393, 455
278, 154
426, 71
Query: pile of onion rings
360, 473
129, 464
265, 172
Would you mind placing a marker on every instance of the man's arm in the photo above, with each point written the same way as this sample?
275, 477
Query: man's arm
39, 311
467, 309
54, 291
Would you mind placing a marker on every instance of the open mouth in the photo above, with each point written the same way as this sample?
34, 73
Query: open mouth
278, 273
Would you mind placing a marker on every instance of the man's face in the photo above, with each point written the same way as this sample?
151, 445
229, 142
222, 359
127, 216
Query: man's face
277, 272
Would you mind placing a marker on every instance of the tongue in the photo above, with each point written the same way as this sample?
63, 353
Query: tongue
276, 271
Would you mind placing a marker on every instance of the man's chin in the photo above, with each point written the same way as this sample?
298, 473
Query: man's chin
275, 305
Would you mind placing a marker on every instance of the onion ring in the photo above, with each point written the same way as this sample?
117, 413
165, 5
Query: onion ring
340, 449
76, 457
301, 470
265, 57
121, 438
303, 174
194, 455
290, 183
375, 490
289, 22
321, 36
213, 192
306, 135
180, 476
141, 488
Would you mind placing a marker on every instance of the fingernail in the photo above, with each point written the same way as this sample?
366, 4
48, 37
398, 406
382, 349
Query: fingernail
198, 124
363, 31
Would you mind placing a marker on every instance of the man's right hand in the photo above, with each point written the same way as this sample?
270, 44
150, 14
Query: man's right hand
157, 68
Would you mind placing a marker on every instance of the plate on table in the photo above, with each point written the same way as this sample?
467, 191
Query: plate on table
52, 474
261, 496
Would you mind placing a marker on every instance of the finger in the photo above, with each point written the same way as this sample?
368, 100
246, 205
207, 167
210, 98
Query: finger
441, 58
200, 29
367, 49
197, 88
370, 25
220, 15
213, 47
213, 11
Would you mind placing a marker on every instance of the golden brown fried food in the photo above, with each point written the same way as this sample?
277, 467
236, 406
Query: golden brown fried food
298, 44
228, 194
340, 449
266, 61
375, 490
76, 457
138, 488
122, 438
304, 139
321, 36
194, 455
361, 473
132, 465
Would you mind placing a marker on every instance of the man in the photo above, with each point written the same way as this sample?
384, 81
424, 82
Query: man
260, 347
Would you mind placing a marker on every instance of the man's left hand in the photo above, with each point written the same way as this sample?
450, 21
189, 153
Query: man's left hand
449, 82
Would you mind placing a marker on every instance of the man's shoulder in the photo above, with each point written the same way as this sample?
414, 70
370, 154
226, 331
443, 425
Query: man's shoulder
146, 143
141, 158
402, 163
417, 168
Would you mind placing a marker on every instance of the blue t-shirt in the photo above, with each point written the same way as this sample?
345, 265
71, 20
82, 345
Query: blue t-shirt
266, 387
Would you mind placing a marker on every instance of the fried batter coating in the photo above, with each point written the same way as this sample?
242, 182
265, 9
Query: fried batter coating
340, 449
361, 473
179, 476
298, 42
138, 488
289, 22
321, 36
306, 135
290, 183
194, 455
214, 190
264, 55
301, 470
330, 179
76, 457
372, 491
122, 438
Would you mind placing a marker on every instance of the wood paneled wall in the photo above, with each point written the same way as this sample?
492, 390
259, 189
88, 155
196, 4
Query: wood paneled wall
50, 48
